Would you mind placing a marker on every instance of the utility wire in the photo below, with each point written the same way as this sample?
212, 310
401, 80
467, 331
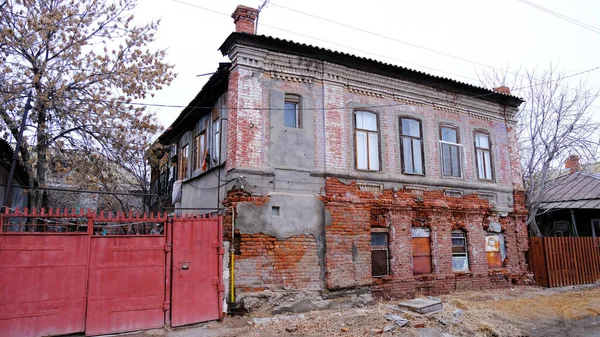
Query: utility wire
562, 16
367, 32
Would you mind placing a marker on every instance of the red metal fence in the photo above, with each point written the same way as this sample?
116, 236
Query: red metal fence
64, 271
564, 261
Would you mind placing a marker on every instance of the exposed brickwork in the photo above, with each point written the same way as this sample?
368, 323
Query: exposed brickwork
354, 213
264, 262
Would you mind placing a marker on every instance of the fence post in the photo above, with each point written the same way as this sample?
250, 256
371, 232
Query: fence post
168, 228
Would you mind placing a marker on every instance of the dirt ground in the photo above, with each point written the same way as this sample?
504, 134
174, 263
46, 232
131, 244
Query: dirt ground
519, 311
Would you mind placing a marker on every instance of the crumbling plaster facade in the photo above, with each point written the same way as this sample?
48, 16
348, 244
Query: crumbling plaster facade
320, 239
304, 213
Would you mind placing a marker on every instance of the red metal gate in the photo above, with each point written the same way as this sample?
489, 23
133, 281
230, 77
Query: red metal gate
42, 275
127, 275
65, 272
197, 270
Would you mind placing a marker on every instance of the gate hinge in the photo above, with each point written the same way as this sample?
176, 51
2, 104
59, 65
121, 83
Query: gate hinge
167, 247
166, 305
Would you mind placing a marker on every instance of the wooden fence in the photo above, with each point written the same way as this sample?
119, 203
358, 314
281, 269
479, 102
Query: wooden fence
564, 261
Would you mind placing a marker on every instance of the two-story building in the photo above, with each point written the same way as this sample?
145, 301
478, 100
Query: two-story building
348, 174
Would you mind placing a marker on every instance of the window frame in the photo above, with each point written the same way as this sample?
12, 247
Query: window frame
457, 144
485, 133
386, 248
568, 231
356, 130
460, 234
199, 155
182, 170
297, 100
402, 136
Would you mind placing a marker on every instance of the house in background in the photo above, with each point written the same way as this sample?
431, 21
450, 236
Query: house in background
572, 204
19, 194
347, 175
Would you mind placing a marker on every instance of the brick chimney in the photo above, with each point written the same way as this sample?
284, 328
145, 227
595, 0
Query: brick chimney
244, 18
503, 90
572, 163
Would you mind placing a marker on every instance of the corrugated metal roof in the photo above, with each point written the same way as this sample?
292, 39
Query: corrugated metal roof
576, 190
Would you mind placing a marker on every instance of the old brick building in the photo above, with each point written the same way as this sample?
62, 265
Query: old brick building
348, 174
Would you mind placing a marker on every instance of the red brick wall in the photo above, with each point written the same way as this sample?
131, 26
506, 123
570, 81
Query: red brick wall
354, 213
265, 262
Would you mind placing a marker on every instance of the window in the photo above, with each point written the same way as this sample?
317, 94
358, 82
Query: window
561, 228
183, 161
595, 227
483, 156
216, 140
411, 144
460, 260
495, 250
451, 150
379, 254
367, 141
421, 245
291, 111
200, 151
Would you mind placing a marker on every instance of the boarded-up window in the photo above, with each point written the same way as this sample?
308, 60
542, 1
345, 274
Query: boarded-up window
495, 251
379, 254
460, 260
421, 244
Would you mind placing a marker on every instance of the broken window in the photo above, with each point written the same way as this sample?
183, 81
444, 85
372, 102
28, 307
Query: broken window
216, 140
411, 144
183, 161
495, 250
291, 111
451, 152
367, 141
483, 154
200, 151
460, 259
380, 265
421, 244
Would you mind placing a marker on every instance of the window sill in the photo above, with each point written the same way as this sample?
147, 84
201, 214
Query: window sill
463, 273
414, 174
199, 173
452, 177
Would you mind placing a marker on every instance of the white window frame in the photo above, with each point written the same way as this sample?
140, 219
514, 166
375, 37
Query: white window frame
461, 160
593, 222
465, 255
371, 159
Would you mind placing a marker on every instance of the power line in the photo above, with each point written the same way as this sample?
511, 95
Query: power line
375, 34
330, 42
562, 16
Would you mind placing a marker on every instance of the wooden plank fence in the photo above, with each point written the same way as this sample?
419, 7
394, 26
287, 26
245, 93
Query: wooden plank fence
564, 261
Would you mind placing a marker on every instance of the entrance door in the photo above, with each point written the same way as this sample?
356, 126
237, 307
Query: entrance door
197, 270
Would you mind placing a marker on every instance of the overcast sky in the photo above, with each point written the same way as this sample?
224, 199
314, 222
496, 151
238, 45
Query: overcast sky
507, 33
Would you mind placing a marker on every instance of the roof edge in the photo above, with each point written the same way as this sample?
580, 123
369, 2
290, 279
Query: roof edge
375, 66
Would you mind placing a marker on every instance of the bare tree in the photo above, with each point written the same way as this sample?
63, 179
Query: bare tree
84, 61
554, 122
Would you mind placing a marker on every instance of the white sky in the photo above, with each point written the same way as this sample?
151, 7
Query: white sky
495, 33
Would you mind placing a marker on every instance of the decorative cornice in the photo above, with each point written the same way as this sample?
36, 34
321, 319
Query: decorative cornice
304, 69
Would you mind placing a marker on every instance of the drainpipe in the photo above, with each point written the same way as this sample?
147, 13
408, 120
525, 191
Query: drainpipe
231, 254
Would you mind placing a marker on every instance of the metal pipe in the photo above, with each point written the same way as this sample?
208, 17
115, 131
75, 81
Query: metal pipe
231, 253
